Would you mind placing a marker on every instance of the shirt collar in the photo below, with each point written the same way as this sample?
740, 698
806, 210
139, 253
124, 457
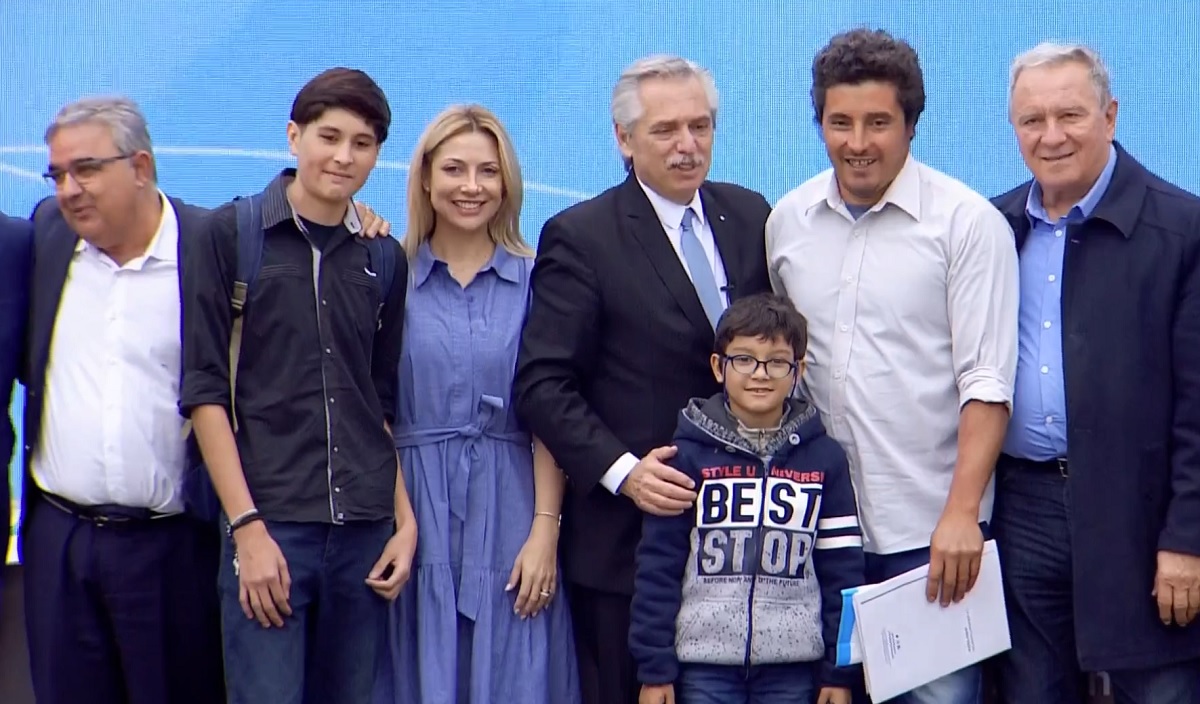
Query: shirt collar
904, 191
669, 213
1086, 205
506, 264
277, 208
164, 246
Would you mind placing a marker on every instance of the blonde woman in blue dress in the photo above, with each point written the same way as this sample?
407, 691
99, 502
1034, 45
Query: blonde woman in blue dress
482, 620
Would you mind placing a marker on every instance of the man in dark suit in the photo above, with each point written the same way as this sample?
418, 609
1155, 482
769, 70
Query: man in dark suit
1098, 492
626, 291
120, 583
16, 258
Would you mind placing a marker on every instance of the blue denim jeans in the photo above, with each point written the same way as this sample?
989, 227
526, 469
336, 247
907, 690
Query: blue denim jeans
1032, 525
791, 683
327, 650
962, 687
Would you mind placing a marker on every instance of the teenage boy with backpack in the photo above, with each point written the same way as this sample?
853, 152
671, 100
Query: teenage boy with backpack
292, 417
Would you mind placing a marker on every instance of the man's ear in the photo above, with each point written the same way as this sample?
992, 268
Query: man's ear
143, 167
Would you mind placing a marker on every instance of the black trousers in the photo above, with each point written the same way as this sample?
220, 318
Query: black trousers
607, 673
121, 612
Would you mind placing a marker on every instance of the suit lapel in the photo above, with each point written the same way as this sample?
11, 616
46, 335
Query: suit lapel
648, 231
190, 220
1013, 210
50, 276
725, 235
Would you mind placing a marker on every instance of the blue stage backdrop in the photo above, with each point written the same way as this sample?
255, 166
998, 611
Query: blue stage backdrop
216, 81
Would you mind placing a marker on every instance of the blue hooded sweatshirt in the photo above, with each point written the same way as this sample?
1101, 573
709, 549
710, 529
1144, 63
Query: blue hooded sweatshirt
753, 575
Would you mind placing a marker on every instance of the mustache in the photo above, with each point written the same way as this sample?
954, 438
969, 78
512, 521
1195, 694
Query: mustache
685, 162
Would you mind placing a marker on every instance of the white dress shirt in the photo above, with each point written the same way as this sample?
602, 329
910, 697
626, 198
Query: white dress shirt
670, 216
111, 429
912, 312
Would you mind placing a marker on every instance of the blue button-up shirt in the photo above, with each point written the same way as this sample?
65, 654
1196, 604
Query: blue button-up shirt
1038, 428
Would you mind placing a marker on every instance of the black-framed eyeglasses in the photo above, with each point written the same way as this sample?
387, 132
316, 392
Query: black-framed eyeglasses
748, 365
81, 170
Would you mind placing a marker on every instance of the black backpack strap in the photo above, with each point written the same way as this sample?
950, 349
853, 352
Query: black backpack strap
383, 262
249, 261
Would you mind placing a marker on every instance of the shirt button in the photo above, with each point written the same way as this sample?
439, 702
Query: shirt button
341, 515
337, 489
837, 375
1045, 370
1046, 324
1058, 233
335, 448
849, 279
324, 302
1051, 277
331, 399
1049, 420
845, 328
328, 351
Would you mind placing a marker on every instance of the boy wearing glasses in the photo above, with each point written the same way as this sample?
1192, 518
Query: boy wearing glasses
740, 599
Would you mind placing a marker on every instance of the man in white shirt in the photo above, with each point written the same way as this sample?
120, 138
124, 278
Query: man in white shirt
909, 282
120, 583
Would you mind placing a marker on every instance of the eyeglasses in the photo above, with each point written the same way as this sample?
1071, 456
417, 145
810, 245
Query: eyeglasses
748, 365
81, 170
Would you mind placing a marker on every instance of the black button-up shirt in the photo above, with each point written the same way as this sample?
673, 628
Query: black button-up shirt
317, 373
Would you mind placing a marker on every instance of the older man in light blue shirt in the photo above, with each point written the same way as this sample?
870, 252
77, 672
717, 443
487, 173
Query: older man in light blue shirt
1038, 429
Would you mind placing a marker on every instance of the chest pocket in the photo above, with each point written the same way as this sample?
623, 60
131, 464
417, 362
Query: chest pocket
363, 296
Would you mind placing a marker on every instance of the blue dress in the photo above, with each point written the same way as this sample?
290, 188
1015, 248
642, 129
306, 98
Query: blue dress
468, 466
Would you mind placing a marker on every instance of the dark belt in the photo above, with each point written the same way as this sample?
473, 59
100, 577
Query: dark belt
104, 514
1058, 466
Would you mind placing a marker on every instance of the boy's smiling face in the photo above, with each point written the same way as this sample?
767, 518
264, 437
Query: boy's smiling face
758, 374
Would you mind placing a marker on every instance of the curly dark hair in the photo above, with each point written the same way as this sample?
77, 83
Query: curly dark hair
862, 55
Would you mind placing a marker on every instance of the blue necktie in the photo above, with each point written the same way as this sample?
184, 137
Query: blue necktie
701, 270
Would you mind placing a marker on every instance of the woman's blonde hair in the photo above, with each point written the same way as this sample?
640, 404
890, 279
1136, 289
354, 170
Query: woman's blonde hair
505, 227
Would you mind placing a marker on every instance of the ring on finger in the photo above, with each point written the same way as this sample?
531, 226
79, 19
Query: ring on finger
547, 593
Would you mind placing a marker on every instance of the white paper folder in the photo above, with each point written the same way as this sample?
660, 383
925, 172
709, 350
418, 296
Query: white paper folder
906, 642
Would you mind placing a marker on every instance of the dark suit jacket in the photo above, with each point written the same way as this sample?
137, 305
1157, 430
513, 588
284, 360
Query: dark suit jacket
16, 259
1131, 360
615, 343
54, 248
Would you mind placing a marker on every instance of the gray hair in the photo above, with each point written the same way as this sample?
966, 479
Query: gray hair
1056, 54
627, 105
121, 115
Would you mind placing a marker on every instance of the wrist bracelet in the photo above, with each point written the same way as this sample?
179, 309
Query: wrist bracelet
246, 518
556, 516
